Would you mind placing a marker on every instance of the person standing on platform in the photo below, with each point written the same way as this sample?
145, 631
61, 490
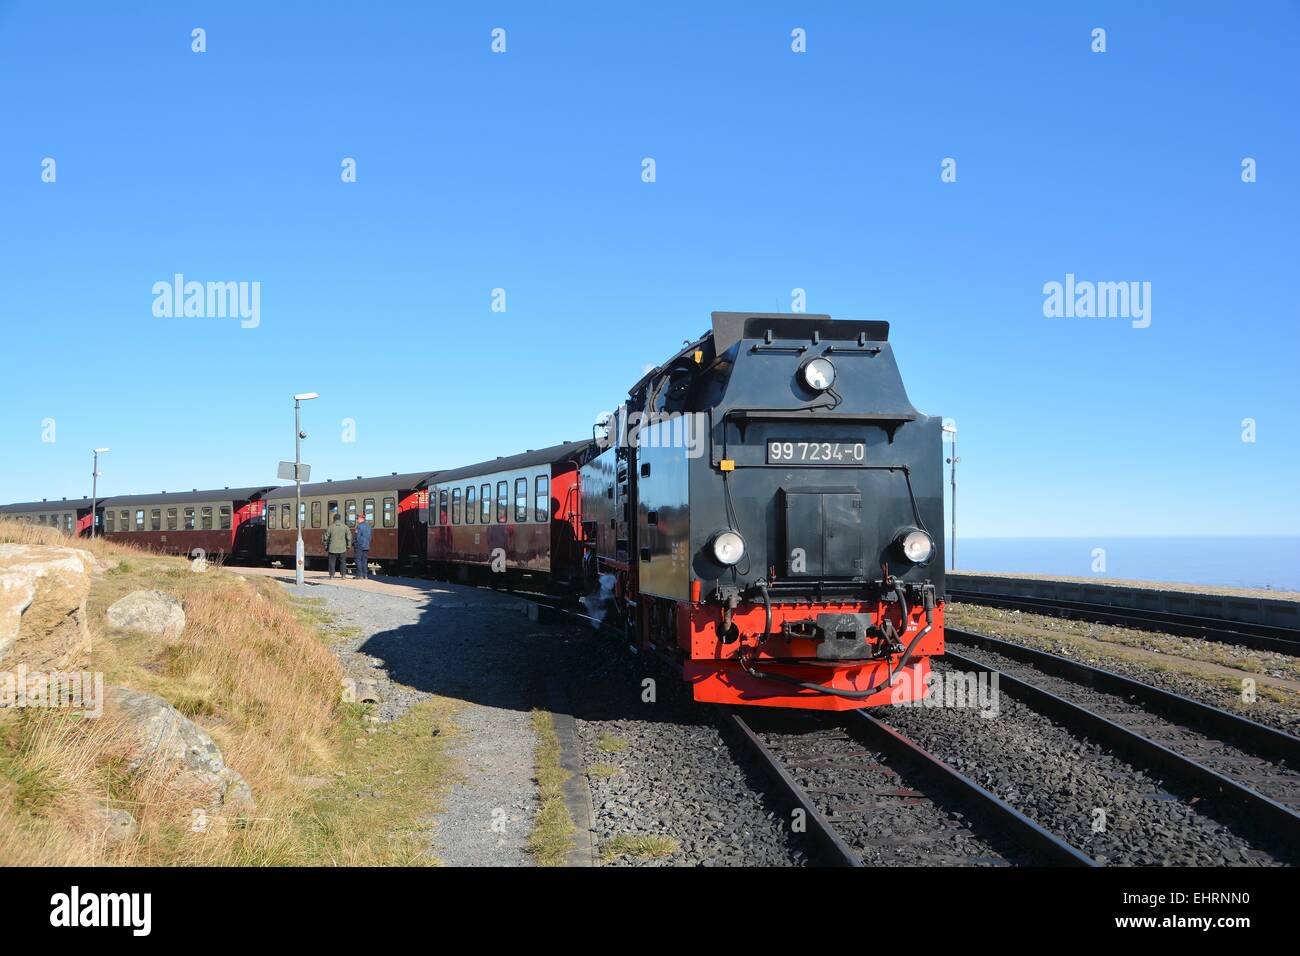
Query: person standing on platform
363, 546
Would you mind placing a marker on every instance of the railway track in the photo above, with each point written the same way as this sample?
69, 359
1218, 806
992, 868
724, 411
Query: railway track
870, 796
1210, 753
1263, 637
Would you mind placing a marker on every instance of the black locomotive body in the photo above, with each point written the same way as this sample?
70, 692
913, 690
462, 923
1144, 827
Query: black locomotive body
765, 504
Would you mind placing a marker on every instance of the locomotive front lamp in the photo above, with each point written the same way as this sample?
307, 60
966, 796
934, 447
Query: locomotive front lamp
916, 545
728, 547
818, 374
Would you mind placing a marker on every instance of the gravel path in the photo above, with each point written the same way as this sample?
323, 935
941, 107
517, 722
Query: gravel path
1062, 780
478, 648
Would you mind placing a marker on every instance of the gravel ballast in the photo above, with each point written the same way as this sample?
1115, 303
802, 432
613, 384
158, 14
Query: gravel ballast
677, 777
1062, 781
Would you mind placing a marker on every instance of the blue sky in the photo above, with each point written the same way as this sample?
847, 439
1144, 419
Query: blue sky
774, 171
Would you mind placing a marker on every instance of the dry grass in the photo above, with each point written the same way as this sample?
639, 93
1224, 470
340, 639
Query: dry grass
611, 744
20, 532
639, 847
552, 836
253, 670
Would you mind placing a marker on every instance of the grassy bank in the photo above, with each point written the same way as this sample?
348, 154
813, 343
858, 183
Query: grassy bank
254, 671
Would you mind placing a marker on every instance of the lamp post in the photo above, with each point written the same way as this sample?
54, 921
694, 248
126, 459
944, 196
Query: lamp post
298, 436
950, 429
94, 489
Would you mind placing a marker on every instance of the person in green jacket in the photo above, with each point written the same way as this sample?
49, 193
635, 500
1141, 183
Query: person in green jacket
338, 538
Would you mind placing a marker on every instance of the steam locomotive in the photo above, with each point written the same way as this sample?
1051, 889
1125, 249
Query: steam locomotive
759, 510
763, 502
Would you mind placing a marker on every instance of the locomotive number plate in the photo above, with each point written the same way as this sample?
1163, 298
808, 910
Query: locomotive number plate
781, 452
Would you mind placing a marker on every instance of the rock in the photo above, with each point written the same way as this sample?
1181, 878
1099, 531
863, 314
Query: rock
163, 737
113, 825
152, 612
43, 592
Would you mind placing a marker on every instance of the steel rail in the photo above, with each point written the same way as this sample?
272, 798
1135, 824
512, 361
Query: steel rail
1259, 739
1142, 751
838, 852
1262, 637
1039, 839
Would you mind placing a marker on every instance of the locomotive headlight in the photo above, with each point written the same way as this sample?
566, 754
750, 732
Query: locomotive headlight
818, 374
728, 547
916, 545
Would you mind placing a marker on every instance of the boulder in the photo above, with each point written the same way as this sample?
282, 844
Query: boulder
43, 592
163, 738
150, 612
113, 825
368, 691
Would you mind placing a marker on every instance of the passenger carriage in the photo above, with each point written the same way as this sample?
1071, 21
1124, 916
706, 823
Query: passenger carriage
510, 520
393, 505
219, 523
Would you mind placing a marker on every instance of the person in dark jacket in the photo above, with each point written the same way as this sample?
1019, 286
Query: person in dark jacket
363, 545
337, 541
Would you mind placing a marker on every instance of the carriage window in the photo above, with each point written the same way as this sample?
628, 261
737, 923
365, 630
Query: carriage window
521, 499
485, 493
503, 501
205, 517
284, 516
223, 517
139, 519
369, 506
541, 499
155, 519
455, 506
171, 519
471, 504
123, 521
108, 520
271, 514
315, 514
350, 511
442, 506
390, 508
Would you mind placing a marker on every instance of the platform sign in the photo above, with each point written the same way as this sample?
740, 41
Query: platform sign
285, 471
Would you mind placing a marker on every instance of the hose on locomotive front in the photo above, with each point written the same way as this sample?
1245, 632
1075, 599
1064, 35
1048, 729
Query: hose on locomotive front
826, 688
767, 613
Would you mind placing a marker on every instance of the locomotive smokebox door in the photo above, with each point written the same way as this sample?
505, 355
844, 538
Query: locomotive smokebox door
823, 532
